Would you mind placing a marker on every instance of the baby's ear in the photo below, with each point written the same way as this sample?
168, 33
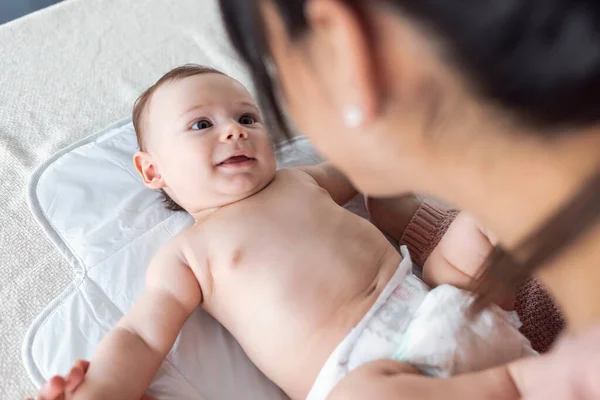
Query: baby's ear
146, 167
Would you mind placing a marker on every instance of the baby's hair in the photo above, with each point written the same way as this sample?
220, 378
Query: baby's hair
140, 108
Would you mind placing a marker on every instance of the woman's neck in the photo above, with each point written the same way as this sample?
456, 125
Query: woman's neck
516, 190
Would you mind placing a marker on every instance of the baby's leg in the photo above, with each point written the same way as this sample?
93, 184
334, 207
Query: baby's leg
459, 255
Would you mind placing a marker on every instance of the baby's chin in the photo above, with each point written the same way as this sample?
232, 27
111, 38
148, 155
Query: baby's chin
241, 186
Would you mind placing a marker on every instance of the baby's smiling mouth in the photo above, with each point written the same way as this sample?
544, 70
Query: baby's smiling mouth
237, 161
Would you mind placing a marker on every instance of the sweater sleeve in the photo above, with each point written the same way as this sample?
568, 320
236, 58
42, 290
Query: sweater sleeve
425, 230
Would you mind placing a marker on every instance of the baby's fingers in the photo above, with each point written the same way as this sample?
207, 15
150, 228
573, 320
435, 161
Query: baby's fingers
74, 378
54, 389
76, 375
83, 364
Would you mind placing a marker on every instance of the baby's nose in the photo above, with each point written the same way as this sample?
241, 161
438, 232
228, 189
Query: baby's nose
234, 133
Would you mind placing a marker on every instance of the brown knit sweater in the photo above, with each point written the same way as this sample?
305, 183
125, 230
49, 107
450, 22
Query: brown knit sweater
541, 318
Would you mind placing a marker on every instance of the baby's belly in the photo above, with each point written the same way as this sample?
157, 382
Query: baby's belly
289, 318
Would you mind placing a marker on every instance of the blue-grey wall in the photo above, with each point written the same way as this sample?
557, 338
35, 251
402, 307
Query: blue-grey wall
12, 9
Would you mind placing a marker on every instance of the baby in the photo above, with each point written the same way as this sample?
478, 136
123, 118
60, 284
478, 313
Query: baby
276, 260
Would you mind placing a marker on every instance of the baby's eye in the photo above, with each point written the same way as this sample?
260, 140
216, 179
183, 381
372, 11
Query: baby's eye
247, 120
202, 124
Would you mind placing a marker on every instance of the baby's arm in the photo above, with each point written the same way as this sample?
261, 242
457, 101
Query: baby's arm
329, 178
129, 356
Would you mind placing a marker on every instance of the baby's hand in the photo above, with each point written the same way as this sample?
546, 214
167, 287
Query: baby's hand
60, 388
460, 255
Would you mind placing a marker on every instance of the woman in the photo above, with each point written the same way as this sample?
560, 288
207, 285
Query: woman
492, 106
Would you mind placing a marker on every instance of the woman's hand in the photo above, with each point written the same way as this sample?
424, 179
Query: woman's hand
570, 371
375, 380
62, 388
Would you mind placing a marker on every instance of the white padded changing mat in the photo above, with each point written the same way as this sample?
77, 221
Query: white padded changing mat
95, 209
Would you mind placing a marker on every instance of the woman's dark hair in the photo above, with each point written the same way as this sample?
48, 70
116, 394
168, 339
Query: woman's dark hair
538, 59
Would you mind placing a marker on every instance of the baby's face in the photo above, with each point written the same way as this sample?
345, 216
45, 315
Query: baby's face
207, 143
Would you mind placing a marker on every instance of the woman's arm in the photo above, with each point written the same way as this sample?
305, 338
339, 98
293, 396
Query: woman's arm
391, 380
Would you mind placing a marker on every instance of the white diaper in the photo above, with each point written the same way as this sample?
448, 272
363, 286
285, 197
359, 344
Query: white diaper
427, 328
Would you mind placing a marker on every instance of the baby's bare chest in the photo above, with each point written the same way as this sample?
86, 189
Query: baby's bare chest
282, 220
286, 241
291, 220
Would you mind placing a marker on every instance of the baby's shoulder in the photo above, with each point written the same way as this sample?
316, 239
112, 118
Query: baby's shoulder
296, 174
190, 244
171, 250
286, 172
181, 250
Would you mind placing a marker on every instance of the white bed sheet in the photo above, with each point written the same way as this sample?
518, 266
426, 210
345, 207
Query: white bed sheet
95, 209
